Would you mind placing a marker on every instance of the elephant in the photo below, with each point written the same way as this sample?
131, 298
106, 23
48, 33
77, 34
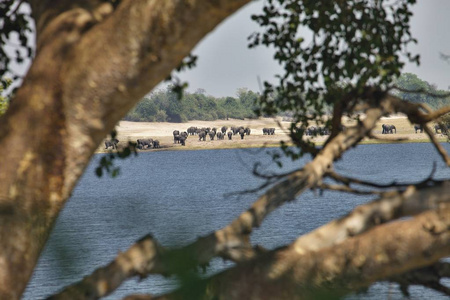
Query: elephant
156, 144
202, 135
182, 140
271, 131
242, 133
176, 136
192, 130
230, 135
418, 128
144, 143
236, 129
224, 129
220, 135
176, 139
247, 130
111, 143
387, 128
265, 131
212, 134
311, 131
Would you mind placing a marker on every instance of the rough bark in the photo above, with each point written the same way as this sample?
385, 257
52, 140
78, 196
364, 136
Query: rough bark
92, 65
379, 253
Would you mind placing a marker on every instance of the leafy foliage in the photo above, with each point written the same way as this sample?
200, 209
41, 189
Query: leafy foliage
106, 163
14, 37
331, 52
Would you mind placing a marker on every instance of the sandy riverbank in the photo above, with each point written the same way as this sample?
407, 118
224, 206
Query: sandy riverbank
131, 131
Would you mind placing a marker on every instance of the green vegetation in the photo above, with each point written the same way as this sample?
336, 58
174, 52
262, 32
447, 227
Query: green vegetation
165, 106
414, 89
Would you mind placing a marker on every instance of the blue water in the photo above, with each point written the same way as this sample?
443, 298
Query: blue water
180, 195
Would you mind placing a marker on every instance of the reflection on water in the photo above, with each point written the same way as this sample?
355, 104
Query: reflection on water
179, 195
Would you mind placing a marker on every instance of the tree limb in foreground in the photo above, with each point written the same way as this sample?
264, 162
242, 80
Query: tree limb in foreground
335, 271
92, 65
146, 256
233, 241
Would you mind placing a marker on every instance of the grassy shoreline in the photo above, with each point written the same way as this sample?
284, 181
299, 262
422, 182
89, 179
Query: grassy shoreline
270, 145
131, 131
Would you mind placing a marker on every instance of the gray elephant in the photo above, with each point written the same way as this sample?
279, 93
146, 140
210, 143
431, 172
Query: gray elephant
224, 129
156, 144
242, 133
144, 143
111, 143
230, 135
192, 130
202, 135
236, 129
387, 128
212, 134
182, 140
311, 131
247, 130
219, 135
324, 130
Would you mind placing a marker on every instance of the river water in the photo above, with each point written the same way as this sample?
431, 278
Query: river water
180, 195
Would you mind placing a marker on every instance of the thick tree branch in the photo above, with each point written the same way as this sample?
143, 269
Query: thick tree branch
437, 145
92, 64
334, 271
232, 241
391, 206
136, 261
330, 261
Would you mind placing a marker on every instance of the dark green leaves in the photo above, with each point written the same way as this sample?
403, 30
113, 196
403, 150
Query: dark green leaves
330, 52
106, 164
14, 36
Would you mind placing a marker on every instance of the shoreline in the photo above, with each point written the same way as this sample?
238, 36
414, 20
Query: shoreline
131, 131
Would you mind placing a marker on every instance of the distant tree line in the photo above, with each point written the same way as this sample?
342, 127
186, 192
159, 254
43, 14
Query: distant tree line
416, 90
165, 106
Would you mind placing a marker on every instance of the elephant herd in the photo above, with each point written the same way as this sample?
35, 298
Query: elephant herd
147, 144
319, 130
111, 143
386, 128
214, 132
268, 131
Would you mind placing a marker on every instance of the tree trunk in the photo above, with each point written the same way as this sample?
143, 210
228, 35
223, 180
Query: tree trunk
92, 64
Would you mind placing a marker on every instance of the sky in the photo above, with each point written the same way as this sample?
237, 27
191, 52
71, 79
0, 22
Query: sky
225, 64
